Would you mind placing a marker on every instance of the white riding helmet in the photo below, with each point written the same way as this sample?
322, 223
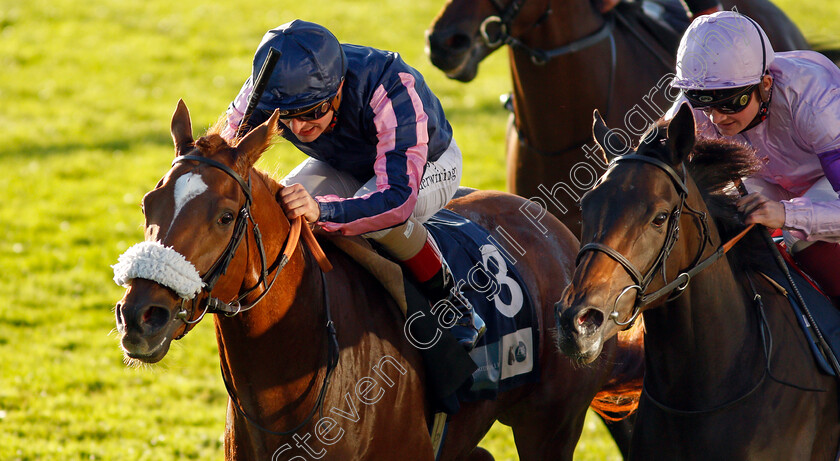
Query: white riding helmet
722, 51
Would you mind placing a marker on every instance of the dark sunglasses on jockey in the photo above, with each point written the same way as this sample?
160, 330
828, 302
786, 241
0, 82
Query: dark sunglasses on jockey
309, 113
728, 101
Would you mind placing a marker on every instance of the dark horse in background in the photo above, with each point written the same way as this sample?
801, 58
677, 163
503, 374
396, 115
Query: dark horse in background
728, 372
566, 59
278, 358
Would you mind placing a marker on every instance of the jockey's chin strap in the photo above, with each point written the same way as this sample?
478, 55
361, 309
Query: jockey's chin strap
680, 283
219, 267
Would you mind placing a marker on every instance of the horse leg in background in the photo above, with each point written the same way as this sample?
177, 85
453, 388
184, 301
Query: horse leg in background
537, 439
621, 432
479, 454
621, 393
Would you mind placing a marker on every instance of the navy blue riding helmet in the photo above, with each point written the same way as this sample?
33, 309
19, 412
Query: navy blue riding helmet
309, 72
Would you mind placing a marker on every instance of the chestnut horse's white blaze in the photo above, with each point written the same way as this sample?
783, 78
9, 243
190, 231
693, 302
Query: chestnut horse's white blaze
187, 187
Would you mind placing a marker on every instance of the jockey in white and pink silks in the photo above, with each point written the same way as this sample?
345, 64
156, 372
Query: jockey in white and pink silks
787, 107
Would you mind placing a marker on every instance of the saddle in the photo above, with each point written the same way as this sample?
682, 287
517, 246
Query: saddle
665, 20
825, 315
506, 356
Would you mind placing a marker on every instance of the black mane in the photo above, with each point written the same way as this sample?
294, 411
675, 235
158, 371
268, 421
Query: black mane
716, 166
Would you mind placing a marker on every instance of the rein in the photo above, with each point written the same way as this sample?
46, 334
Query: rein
767, 347
332, 363
235, 307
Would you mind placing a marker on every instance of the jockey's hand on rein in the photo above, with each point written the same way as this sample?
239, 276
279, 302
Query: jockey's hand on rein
759, 209
296, 201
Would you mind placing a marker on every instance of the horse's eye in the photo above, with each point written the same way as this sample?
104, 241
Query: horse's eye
226, 218
660, 219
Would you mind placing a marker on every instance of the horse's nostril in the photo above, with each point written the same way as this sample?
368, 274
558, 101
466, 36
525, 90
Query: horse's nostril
154, 317
449, 43
459, 42
588, 321
119, 314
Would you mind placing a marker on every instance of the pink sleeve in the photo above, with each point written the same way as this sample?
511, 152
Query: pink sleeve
401, 154
236, 110
811, 220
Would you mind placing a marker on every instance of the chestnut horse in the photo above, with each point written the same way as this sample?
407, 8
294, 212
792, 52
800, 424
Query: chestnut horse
566, 59
364, 378
728, 372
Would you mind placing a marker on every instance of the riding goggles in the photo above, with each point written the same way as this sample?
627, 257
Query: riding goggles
724, 101
309, 113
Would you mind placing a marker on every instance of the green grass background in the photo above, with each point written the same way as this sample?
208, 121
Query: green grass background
87, 90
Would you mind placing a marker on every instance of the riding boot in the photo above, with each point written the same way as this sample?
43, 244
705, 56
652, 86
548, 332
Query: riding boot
415, 249
436, 282
819, 260
467, 326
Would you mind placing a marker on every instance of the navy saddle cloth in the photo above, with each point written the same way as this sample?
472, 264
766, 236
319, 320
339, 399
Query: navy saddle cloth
485, 270
826, 316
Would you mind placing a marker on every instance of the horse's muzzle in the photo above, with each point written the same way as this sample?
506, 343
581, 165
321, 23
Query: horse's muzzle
579, 331
145, 320
448, 49
456, 53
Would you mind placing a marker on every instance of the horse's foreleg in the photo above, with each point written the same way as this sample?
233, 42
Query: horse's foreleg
538, 439
621, 432
479, 454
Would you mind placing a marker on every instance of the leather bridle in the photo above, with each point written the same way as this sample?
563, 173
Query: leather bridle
495, 32
680, 283
642, 281
220, 266
502, 22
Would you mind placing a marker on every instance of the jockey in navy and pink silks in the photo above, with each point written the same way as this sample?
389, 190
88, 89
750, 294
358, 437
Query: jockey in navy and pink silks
787, 107
389, 125
382, 157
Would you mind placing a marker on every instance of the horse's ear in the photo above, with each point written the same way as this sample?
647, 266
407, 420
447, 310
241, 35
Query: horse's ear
181, 128
257, 140
681, 134
599, 129
601, 133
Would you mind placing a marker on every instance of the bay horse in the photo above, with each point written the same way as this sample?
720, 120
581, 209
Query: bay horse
355, 388
728, 372
566, 59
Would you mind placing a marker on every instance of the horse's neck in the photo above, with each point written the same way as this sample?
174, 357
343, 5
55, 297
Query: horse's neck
699, 345
572, 80
564, 91
281, 340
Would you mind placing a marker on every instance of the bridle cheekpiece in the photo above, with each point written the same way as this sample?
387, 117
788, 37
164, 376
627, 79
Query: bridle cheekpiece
641, 282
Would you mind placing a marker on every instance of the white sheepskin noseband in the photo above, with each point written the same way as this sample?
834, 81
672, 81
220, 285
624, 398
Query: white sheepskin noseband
164, 265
